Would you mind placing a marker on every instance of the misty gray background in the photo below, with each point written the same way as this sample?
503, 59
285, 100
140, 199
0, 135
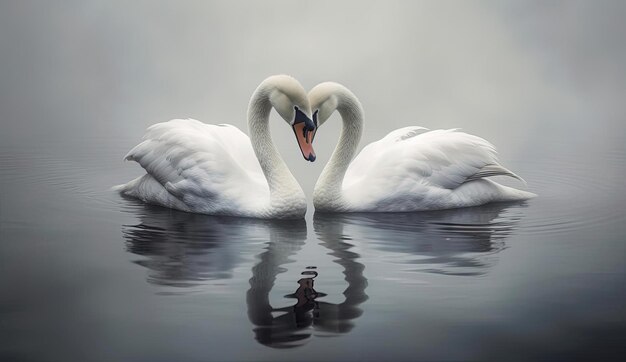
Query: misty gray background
88, 275
71, 71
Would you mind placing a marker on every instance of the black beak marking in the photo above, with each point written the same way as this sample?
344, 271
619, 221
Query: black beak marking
309, 125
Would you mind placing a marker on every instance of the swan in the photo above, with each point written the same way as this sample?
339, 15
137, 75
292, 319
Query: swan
410, 169
217, 169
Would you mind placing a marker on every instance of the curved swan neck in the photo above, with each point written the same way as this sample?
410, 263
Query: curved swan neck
283, 186
328, 189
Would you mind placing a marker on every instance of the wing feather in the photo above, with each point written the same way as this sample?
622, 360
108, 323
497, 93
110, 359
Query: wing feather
205, 166
413, 160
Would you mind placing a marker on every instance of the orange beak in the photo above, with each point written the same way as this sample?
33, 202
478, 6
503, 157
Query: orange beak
305, 140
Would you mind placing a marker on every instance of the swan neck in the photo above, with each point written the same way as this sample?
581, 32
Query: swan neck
282, 185
328, 190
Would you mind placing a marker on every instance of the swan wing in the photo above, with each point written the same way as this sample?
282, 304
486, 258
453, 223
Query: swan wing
363, 163
414, 161
209, 168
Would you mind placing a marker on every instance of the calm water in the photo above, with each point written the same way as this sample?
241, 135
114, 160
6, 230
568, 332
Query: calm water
88, 275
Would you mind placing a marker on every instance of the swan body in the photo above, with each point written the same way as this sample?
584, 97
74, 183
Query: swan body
219, 170
410, 169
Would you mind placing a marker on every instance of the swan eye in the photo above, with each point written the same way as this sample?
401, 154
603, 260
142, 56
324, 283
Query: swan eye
315, 117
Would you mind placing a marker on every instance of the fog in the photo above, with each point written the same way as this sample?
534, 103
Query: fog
74, 71
89, 273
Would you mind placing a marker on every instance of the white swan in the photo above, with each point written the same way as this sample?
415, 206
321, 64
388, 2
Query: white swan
410, 169
212, 169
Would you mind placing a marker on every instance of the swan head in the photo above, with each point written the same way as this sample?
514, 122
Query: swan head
325, 98
290, 100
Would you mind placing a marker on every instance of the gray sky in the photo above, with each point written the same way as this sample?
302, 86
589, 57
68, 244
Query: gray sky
503, 70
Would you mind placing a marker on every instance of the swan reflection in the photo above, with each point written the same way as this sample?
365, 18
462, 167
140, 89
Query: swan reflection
183, 249
293, 325
455, 242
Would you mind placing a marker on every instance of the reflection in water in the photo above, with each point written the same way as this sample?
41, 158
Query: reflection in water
306, 306
292, 326
455, 242
184, 249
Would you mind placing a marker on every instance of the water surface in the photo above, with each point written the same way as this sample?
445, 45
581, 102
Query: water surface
86, 275
89, 275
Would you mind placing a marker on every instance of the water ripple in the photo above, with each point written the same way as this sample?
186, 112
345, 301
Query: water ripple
453, 242
575, 193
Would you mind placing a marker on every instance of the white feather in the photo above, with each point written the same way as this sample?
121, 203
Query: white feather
410, 169
200, 167
213, 169
424, 172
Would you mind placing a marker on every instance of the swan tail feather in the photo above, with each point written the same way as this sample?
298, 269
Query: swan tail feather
128, 188
511, 194
494, 170
149, 190
118, 188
